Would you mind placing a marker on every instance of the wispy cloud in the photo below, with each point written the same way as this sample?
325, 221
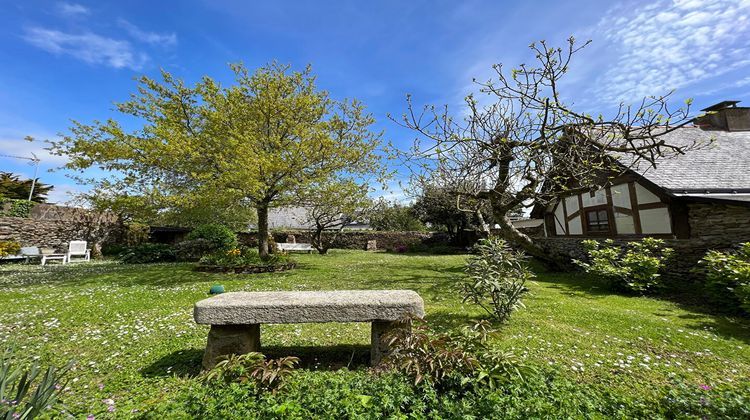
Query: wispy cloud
88, 47
672, 44
161, 39
72, 9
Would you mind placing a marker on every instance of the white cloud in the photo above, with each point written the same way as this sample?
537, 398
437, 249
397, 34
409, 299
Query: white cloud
669, 45
65, 194
72, 9
17, 146
88, 47
153, 38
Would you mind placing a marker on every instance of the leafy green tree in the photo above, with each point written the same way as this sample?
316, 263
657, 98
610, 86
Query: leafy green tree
12, 186
258, 142
395, 217
442, 208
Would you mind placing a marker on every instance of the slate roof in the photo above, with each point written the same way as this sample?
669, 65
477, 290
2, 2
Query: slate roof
721, 163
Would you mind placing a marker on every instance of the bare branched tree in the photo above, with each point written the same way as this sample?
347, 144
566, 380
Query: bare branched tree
525, 145
333, 205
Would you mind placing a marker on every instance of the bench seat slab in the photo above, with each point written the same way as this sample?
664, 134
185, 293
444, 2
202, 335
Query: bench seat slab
244, 308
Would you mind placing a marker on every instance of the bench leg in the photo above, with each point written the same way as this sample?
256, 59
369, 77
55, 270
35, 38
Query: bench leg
378, 348
230, 339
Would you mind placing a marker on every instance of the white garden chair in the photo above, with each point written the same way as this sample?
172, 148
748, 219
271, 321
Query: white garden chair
78, 249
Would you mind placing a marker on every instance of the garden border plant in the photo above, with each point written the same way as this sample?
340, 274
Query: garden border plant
244, 261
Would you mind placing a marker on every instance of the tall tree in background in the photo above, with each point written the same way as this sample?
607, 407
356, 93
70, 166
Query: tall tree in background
259, 142
523, 144
443, 208
12, 186
394, 217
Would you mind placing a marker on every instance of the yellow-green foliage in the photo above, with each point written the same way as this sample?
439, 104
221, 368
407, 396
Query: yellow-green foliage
9, 248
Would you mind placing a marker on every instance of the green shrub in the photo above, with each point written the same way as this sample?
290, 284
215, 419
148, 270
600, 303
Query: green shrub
242, 257
194, 249
450, 360
265, 374
728, 278
9, 248
220, 235
148, 253
15, 208
113, 250
28, 393
496, 278
635, 268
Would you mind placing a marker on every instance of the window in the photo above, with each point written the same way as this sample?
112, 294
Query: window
597, 221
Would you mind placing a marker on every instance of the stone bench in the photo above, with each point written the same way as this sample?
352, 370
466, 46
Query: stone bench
295, 247
235, 318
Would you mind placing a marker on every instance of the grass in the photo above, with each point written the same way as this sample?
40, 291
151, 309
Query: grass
130, 327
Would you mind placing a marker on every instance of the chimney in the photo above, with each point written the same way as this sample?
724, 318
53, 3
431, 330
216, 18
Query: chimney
725, 115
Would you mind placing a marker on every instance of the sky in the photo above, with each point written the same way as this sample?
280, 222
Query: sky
72, 60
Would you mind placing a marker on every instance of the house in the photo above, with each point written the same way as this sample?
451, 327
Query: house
701, 193
696, 201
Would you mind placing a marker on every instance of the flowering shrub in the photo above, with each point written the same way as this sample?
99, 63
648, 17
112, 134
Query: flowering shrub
9, 248
221, 236
728, 278
635, 268
194, 249
239, 257
496, 278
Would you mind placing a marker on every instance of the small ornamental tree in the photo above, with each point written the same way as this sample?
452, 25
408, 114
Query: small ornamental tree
333, 205
258, 142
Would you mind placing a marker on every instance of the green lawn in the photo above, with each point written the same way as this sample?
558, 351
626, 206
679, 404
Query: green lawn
130, 328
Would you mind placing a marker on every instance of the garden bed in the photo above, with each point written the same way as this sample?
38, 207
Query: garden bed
245, 269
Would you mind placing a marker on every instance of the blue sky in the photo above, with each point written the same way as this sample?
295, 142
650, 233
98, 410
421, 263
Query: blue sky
72, 60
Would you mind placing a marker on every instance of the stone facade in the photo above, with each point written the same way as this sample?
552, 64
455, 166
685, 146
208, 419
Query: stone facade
712, 226
54, 227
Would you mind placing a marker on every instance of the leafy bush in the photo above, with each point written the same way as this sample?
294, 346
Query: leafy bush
15, 208
9, 248
221, 236
496, 278
241, 257
194, 249
728, 278
113, 250
635, 268
148, 253
17, 400
542, 394
265, 374
450, 361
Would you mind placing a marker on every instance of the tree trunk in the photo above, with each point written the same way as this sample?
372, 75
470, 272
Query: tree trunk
263, 230
516, 237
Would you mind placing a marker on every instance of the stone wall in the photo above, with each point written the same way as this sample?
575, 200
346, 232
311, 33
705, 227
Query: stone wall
55, 226
356, 239
712, 226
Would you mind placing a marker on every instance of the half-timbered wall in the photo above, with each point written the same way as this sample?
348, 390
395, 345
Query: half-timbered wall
627, 208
